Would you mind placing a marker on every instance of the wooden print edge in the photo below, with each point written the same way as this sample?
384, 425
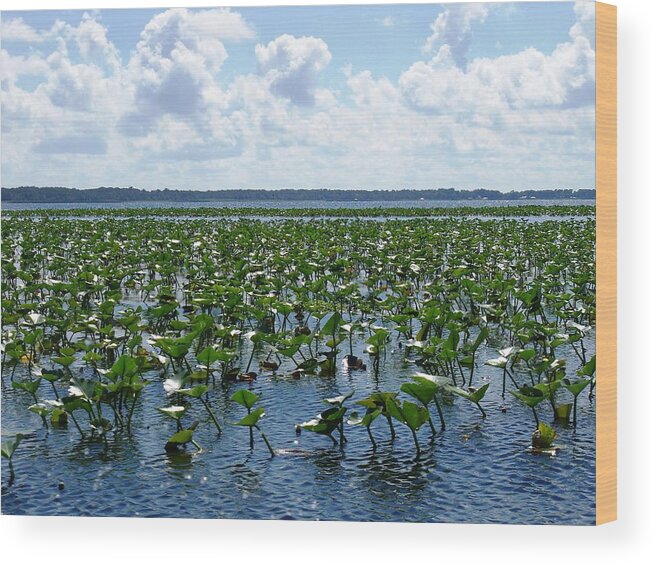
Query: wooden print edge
606, 186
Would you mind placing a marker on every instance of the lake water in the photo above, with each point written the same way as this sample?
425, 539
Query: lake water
303, 204
477, 470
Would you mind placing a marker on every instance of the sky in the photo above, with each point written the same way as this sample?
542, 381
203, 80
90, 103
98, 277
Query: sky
493, 95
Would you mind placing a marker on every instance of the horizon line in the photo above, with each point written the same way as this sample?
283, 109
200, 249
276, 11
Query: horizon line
368, 189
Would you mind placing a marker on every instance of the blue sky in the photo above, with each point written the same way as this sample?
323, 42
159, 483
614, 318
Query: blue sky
416, 96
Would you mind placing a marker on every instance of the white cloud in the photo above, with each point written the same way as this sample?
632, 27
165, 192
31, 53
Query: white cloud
167, 116
15, 29
14, 66
177, 28
91, 39
72, 86
369, 92
528, 79
172, 71
292, 65
585, 20
221, 23
452, 30
73, 107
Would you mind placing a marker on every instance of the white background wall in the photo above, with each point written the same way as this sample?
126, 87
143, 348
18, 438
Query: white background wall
96, 541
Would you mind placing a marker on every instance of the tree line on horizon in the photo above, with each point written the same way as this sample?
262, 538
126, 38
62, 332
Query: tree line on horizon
57, 194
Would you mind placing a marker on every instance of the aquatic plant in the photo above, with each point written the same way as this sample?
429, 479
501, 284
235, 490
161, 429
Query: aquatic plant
208, 356
531, 397
433, 383
181, 438
31, 387
589, 370
377, 342
506, 356
247, 399
199, 392
7, 450
411, 415
425, 391
377, 401
543, 437
578, 386
474, 395
175, 413
525, 210
331, 419
469, 350
99, 305
125, 381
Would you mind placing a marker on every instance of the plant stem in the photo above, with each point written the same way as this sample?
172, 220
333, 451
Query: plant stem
342, 437
439, 411
414, 436
391, 426
430, 423
12, 475
462, 374
250, 360
79, 429
371, 437
209, 411
250, 431
266, 440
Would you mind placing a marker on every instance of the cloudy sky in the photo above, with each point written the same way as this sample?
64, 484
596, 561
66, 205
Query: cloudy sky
389, 96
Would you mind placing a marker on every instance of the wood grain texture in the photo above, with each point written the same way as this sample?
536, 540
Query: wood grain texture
606, 184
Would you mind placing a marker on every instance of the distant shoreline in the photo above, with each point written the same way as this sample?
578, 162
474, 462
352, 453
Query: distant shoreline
64, 195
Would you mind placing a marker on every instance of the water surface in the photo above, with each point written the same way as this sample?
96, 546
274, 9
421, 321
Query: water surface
478, 470
294, 204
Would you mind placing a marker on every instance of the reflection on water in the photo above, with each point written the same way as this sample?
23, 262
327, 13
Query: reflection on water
386, 475
245, 479
178, 462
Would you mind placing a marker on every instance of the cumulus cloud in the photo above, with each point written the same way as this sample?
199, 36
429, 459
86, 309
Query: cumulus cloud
75, 113
292, 65
15, 29
15, 66
371, 92
173, 69
180, 28
221, 23
79, 85
585, 20
72, 86
493, 86
73, 106
91, 39
452, 30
